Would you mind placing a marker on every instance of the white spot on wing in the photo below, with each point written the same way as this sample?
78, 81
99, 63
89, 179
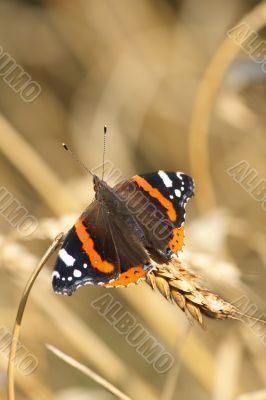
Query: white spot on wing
179, 175
166, 180
177, 193
56, 274
69, 278
66, 258
171, 196
77, 273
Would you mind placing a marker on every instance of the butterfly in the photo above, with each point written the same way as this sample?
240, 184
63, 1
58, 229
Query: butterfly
123, 231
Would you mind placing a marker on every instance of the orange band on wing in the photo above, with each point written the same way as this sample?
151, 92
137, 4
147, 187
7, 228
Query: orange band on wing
157, 195
130, 276
177, 241
88, 247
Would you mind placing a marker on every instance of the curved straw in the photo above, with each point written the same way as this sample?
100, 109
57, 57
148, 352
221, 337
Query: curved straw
205, 99
20, 312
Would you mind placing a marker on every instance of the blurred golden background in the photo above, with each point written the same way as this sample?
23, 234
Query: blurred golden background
177, 93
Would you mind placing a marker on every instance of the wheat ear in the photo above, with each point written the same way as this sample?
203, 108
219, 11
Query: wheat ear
182, 287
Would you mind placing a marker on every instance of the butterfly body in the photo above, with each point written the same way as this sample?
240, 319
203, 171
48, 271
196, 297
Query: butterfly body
115, 240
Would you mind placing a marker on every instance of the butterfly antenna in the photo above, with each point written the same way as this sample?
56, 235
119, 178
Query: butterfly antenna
104, 147
77, 159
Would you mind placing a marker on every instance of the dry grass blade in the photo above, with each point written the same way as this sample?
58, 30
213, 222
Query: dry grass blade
182, 287
20, 312
71, 361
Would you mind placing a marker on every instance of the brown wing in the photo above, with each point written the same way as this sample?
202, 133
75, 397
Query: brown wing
112, 240
98, 250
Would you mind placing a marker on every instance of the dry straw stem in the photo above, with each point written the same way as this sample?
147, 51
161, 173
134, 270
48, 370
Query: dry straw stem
20, 312
180, 286
87, 371
204, 103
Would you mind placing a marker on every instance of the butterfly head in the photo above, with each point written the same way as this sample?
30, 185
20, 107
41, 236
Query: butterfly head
103, 191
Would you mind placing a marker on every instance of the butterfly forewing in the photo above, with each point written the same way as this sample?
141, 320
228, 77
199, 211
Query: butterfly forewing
157, 202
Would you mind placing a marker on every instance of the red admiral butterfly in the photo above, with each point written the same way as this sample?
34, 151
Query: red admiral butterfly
123, 229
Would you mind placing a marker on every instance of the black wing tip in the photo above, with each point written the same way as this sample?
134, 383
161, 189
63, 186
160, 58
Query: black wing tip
62, 287
63, 290
190, 185
67, 289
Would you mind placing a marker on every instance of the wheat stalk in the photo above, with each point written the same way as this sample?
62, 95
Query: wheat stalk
182, 287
